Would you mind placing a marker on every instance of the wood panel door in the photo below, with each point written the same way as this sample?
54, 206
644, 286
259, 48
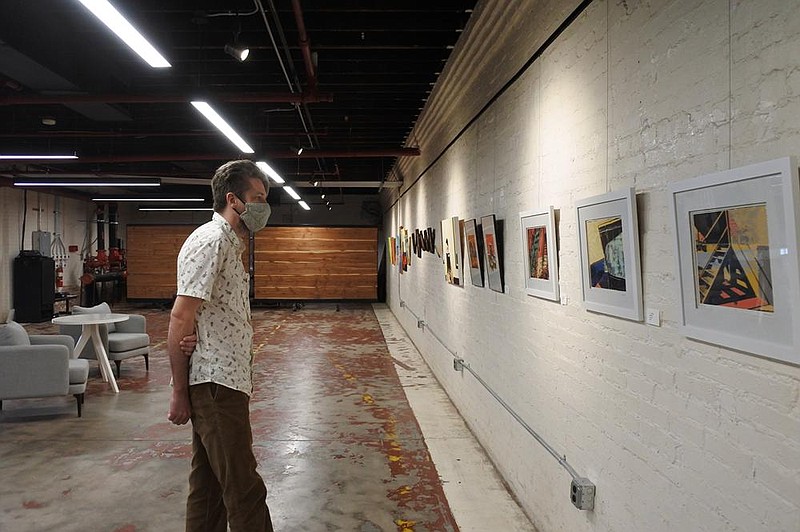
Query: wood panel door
316, 263
305, 263
152, 256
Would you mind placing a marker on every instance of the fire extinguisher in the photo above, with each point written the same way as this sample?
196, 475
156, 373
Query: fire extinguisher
59, 277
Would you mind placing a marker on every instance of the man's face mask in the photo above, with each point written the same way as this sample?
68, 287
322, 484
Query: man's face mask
255, 215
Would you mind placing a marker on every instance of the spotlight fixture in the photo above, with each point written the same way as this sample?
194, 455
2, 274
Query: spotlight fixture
299, 150
316, 183
323, 196
240, 53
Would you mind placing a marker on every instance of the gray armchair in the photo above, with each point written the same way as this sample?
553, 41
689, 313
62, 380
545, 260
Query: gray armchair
121, 340
39, 366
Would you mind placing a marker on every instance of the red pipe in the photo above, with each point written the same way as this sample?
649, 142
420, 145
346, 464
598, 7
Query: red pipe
35, 99
305, 45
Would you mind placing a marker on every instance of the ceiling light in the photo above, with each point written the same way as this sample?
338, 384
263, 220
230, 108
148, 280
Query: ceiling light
145, 199
323, 196
125, 31
88, 182
240, 53
48, 121
36, 157
176, 209
267, 169
299, 150
223, 126
304, 205
316, 183
289, 190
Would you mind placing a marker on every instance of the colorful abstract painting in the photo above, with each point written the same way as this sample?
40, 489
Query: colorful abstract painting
731, 256
537, 253
605, 252
473, 252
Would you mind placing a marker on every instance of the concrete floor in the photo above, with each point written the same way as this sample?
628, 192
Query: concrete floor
337, 440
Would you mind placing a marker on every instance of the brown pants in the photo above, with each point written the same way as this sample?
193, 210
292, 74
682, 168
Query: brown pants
224, 486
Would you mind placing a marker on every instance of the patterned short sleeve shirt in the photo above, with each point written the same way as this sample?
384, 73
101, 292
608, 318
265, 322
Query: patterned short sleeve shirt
210, 268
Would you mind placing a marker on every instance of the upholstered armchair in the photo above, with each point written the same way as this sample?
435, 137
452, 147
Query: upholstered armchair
121, 340
39, 366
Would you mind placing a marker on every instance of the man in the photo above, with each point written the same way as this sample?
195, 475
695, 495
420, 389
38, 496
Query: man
212, 387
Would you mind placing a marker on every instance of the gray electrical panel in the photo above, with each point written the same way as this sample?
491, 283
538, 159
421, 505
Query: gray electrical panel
40, 241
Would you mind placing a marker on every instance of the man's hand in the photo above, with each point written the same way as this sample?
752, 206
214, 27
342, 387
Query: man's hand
188, 344
180, 409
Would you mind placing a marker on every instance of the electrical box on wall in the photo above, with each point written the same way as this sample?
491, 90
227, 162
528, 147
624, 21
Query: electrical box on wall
582, 493
40, 241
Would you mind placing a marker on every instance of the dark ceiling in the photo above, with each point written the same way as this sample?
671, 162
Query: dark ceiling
350, 98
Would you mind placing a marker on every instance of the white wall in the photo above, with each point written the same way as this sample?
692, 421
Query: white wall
676, 434
76, 230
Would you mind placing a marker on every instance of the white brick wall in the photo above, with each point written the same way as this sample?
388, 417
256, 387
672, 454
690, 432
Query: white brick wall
676, 434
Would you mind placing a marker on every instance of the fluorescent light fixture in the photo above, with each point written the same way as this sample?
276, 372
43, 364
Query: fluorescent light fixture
35, 157
223, 126
87, 182
289, 190
267, 169
109, 16
176, 209
146, 199
304, 205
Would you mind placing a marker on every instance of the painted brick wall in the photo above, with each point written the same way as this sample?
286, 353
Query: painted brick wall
677, 435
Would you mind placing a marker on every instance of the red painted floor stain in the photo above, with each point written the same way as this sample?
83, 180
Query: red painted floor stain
32, 505
126, 528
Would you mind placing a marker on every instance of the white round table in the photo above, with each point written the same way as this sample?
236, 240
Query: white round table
90, 332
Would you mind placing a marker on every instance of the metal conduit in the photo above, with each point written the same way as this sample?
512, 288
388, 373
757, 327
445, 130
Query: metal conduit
460, 363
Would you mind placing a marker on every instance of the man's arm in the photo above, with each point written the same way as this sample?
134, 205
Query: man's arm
181, 324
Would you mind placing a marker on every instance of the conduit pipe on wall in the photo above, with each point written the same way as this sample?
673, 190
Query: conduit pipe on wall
459, 364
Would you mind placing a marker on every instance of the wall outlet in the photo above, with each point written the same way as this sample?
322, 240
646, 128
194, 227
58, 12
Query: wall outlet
653, 317
581, 493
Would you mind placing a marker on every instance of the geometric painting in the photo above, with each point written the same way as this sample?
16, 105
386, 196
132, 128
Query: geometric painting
604, 242
608, 236
737, 249
731, 256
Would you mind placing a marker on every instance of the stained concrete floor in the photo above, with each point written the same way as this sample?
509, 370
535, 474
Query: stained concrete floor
338, 443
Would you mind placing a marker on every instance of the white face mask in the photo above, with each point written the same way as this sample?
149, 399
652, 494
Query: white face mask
255, 215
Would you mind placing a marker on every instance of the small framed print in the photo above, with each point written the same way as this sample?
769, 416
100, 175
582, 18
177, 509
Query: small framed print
608, 230
737, 252
540, 253
492, 253
473, 252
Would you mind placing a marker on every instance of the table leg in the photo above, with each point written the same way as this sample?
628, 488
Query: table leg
102, 356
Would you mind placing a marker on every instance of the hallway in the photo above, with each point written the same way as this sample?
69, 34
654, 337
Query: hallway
339, 445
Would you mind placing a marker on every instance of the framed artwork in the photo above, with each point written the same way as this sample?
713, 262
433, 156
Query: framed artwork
540, 253
472, 253
450, 251
491, 253
391, 250
737, 252
611, 278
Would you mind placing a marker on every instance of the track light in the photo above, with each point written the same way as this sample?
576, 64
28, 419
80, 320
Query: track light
240, 53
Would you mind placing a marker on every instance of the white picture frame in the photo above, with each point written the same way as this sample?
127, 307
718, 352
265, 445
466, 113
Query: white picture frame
737, 255
608, 234
472, 252
540, 253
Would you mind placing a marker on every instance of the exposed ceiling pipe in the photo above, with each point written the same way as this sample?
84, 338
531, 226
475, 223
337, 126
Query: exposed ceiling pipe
307, 154
137, 134
305, 45
48, 99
